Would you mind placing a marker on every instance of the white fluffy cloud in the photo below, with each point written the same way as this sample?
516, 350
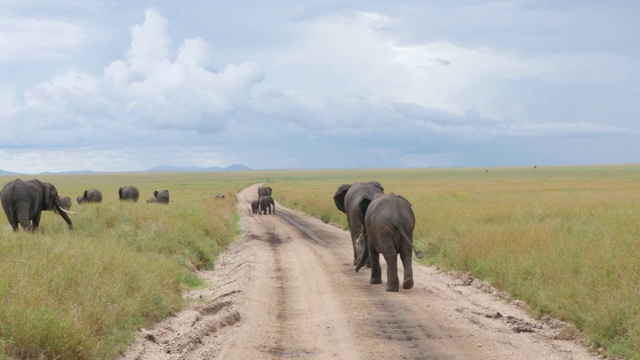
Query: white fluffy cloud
154, 88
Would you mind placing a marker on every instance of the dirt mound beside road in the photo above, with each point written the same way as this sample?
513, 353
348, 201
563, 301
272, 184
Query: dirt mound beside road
287, 289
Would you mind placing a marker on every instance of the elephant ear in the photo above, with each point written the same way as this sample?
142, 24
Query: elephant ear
376, 184
338, 197
49, 194
363, 205
155, 194
84, 195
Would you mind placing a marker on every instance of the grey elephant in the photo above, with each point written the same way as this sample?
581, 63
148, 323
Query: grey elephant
152, 200
264, 191
266, 203
129, 193
347, 199
90, 195
65, 202
161, 196
389, 221
24, 201
255, 206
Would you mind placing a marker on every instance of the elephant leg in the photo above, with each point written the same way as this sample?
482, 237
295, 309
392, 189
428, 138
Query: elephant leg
35, 223
376, 269
392, 272
408, 270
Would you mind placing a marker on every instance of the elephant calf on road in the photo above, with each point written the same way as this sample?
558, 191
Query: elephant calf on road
389, 223
266, 203
254, 206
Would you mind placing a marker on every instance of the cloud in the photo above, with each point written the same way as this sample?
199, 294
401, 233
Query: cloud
35, 37
153, 89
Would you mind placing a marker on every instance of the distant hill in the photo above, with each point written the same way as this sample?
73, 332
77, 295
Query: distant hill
2, 172
171, 168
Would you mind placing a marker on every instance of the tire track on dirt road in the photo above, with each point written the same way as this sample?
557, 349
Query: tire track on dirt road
291, 281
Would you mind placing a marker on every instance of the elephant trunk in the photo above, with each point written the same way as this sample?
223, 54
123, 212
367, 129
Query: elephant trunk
365, 252
63, 213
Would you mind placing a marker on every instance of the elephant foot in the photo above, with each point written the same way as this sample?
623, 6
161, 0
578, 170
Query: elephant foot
408, 284
391, 288
375, 281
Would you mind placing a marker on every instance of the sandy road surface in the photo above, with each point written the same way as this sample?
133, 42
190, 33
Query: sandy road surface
287, 290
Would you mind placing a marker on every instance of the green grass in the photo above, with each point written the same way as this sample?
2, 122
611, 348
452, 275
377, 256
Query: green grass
564, 239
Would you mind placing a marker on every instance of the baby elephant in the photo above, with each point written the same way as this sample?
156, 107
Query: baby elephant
65, 202
161, 196
255, 206
388, 221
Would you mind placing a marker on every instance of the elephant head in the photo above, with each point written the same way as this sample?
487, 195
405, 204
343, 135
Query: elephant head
347, 199
24, 201
389, 222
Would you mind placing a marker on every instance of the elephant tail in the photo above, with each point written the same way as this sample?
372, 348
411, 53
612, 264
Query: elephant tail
365, 251
406, 238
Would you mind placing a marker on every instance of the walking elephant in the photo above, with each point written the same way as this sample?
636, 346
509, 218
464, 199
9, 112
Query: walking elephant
24, 201
266, 203
389, 223
347, 199
161, 196
129, 193
254, 206
264, 191
65, 202
91, 195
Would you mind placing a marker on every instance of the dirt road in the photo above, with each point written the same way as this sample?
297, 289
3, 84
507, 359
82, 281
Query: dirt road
287, 289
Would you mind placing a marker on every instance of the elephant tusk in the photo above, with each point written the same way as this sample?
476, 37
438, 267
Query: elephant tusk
68, 212
362, 236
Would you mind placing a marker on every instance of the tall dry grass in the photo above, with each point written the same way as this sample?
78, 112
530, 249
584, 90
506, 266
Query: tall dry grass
82, 294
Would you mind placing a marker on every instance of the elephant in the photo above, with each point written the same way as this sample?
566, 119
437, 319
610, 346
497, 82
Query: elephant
65, 202
389, 222
161, 196
91, 195
24, 201
264, 191
266, 203
129, 193
152, 200
254, 206
347, 199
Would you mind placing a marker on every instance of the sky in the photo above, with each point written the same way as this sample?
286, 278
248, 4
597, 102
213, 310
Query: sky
109, 85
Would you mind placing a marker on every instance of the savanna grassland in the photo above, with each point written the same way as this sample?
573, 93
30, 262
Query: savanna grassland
565, 240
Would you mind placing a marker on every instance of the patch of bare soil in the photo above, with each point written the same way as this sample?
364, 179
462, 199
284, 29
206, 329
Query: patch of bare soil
287, 289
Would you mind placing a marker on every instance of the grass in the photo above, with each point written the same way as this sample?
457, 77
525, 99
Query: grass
82, 294
564, 239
